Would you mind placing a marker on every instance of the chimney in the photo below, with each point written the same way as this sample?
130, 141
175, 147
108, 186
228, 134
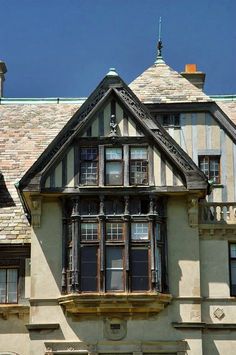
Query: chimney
197, 78
3, 70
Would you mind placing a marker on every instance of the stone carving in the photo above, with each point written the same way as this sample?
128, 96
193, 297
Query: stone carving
113, 126
36, 207
193, 211
219, 313
115, 328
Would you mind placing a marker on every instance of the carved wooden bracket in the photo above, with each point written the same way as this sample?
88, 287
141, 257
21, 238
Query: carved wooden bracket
192, 210
36, 209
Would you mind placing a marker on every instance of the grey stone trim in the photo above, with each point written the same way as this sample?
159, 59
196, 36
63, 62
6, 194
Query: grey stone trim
209, 152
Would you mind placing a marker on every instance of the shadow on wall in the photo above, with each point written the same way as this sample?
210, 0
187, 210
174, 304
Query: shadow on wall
5, 197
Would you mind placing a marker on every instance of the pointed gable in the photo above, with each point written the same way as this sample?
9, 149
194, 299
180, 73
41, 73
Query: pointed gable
60, 165
161, 84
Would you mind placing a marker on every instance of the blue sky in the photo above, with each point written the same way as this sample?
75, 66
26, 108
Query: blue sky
63, 48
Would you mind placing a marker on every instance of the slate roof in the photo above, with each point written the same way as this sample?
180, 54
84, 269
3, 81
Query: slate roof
229, 107
161, 84
25, 132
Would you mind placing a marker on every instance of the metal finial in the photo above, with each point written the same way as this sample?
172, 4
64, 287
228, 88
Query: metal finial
159, 45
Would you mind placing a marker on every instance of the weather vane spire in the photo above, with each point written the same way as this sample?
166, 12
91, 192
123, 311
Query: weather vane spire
159, 45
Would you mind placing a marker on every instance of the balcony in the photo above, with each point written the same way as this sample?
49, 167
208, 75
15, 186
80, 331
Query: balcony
217, 220
217, 213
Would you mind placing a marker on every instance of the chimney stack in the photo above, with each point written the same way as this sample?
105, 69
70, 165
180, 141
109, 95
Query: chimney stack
197, 78
3, 70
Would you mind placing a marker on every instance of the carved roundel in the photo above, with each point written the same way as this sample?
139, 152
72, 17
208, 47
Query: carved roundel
115, 328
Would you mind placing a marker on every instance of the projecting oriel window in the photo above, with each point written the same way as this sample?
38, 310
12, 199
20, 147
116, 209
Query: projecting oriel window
210, 166
112, 252
8, 285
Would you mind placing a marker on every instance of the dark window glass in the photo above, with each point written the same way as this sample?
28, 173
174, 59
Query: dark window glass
8, 285
139, 269
89, 166
233, 269
114, 269
114, 168
171, 120
210, 166
88, 268
138, 166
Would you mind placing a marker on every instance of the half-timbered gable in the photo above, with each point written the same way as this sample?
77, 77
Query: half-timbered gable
146, 155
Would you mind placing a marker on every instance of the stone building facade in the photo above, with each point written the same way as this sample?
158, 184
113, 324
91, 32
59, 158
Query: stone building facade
118, 219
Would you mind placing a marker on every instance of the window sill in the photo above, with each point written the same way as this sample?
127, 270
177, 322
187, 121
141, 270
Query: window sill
96, 304
7, 310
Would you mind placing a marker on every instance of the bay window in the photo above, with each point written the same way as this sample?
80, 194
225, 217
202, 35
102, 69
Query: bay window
113, 252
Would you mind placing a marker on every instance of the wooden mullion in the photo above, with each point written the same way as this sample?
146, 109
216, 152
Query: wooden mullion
101, 165
75, 245
126, 164
77, 164
64, 254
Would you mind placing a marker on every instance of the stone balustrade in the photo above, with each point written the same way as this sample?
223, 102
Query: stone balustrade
217, 212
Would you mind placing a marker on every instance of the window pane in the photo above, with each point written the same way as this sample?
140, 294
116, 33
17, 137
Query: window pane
139, 231
158, 232
138, 153
138, 172
114, 280
8, 285
113, 153
114, 231
3, 286
90, 153
114, 269
233, 250
113, 173
233, 272
89, 231
88, 173
88, 269
214, 169
139, 269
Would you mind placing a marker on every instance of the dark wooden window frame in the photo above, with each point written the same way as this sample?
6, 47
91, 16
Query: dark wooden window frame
121, 161
13, 257
127, 243
6, 283
138, 160
231, 259
210, 158
81, 161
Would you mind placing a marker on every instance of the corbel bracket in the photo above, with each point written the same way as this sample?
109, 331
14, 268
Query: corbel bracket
192, 206
36, 209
